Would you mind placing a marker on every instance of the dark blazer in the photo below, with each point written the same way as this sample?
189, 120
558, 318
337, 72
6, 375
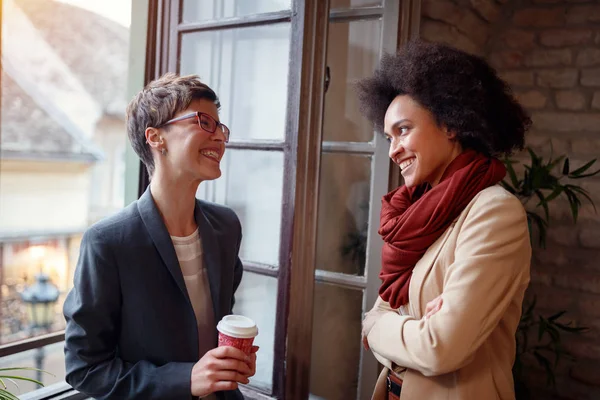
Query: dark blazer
131, 330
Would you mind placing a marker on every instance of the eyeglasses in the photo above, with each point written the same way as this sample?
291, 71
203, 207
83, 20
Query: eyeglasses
205, 121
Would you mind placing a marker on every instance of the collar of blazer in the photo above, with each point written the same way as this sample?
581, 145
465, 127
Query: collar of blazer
162, 240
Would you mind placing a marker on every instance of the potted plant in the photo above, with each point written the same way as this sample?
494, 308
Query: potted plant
7, 375
539, 337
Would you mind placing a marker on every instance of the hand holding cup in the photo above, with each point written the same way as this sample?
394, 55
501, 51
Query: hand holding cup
230, 364
237, 331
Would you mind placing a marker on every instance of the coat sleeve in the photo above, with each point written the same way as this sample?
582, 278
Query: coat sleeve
92, 312
237, 279
238, 269
492, 259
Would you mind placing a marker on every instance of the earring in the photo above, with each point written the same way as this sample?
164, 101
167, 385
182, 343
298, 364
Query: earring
163, 151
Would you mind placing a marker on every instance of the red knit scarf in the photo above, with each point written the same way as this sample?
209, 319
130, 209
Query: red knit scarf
412, 219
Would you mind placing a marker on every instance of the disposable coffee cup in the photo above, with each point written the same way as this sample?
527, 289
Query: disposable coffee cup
237, 331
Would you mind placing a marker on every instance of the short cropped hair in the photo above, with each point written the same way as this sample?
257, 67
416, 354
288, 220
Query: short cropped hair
159, 102
461, 90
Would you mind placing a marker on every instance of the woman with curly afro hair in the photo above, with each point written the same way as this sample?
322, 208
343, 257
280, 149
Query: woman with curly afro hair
456, 253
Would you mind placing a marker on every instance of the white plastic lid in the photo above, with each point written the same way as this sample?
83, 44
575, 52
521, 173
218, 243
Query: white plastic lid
237, 326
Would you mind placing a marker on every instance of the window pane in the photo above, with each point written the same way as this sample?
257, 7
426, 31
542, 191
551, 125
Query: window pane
22, 261
256, 298
50, 358
202, 10
248, 68
62, 145
343, 213
336, 342
252, 185
353, 53
354, 3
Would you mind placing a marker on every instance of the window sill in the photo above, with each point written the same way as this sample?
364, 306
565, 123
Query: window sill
63, 391
57, 391
252, 394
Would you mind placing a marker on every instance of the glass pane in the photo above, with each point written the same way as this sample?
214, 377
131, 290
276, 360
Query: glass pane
343, 213
22, 262
252, 185
256, 298
354, 3
353, 53
50, 358
62, 147
336, 342
248, 68
203, 10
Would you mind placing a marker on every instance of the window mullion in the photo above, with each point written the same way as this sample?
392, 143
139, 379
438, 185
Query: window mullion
394, 17
236, 22
309, 52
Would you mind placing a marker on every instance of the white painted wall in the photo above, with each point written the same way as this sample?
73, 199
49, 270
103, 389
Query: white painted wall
43, 196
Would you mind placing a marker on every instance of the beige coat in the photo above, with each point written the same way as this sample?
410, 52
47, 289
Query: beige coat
466, 350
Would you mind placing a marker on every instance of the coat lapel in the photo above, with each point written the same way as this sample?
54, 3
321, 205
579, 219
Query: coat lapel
421, 271
211, 257
160, 236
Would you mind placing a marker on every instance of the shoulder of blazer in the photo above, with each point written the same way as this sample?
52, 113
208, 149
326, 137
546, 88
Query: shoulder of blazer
495, 192
118, 224
495, 195
220, 215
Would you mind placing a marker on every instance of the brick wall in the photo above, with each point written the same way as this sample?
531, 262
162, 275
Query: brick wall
549, 51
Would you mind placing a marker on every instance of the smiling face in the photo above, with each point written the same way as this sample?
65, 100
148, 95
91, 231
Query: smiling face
193, 152
418, 144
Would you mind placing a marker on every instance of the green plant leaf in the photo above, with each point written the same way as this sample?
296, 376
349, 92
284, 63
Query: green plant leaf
21, 378
585, 175
535, 160
543, 361
565, 169
4, 392
582, 192
554, 334
574, 203
536, 178
542, 327
6, 395
511, 172
559, 189
526, 185
557, 353
508, 187
540, 223
24, 369
551, 164
554, 317
572, 329
539, 337
581, 170
543, 203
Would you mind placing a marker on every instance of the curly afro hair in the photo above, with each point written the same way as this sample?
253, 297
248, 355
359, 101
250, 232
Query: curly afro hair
461, 91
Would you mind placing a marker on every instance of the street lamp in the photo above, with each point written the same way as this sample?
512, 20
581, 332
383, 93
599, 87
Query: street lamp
40, 299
